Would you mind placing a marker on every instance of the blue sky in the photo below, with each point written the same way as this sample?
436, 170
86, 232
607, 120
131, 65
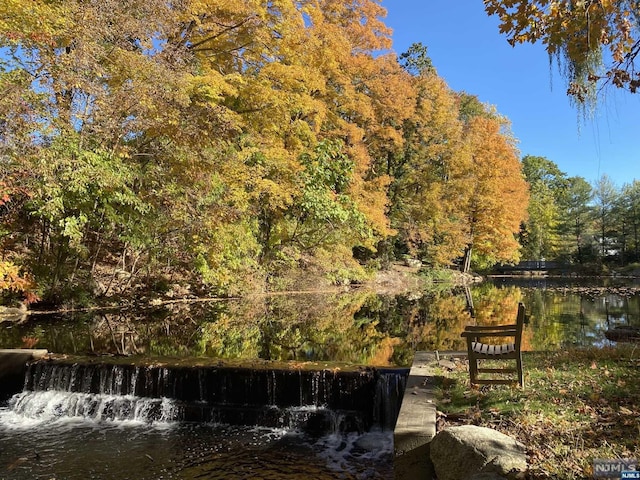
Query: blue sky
471, 55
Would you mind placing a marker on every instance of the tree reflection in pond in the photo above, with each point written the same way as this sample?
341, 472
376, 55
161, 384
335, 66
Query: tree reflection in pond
356, 327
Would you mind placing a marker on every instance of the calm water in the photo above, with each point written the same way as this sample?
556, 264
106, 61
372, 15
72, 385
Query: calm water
357, 328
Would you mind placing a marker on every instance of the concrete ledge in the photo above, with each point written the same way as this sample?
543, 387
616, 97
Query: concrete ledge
13, 367
416, 424
36, 353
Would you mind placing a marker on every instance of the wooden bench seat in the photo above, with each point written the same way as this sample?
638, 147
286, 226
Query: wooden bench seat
508, 350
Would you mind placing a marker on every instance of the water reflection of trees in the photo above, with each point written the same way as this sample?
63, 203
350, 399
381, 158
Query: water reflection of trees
436, 320
301, 327
563, 316
359, 327
166, 331
355, 327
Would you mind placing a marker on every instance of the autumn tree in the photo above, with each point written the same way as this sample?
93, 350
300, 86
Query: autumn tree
431, 177
133, 163
594, 42
215, 143
348, 96
153, 138
499, 195
495, 174
458, 166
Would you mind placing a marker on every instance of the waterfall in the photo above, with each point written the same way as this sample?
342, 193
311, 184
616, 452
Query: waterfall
316, 401
51, 405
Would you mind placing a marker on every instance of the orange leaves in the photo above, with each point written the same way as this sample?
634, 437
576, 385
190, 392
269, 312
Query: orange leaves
582, 32
200, 112
29, 342
12, 279
5, 193
500, 197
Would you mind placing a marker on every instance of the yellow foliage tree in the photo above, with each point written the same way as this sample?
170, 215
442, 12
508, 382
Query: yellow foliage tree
499, 195
215, 140
433, 175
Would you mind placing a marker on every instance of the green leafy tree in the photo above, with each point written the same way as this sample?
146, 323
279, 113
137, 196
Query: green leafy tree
540, 234
324, 217
470, 106
605, 197
416, 60
624, 220
576, 218
630, 199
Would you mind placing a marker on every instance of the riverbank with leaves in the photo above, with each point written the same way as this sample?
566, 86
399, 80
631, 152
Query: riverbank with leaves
578, 405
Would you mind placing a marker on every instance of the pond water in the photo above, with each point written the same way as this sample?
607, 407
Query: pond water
81, 450
324, 331
357, 327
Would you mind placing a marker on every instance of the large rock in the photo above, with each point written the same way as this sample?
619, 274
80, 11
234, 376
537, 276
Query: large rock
458, 453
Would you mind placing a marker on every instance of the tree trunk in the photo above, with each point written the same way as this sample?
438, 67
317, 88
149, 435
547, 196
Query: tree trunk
466, 262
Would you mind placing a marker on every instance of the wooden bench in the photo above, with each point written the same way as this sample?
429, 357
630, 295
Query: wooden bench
508, 350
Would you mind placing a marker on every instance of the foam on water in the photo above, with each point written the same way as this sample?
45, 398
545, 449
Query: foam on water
30, 408
349, 452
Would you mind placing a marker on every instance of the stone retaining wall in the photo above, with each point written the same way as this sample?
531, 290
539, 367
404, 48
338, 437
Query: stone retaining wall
13, 366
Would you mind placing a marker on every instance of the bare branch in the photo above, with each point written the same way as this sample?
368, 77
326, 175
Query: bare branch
227, 29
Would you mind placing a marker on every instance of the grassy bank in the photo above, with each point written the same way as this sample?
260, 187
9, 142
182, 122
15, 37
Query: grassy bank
577, 406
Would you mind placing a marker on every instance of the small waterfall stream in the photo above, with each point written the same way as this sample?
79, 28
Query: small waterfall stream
317, 401
78, 420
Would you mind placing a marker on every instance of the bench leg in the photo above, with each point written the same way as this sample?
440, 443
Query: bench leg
473, 363
519, 368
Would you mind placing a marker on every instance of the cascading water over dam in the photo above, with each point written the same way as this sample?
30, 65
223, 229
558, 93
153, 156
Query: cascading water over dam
312, 400
81, 418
